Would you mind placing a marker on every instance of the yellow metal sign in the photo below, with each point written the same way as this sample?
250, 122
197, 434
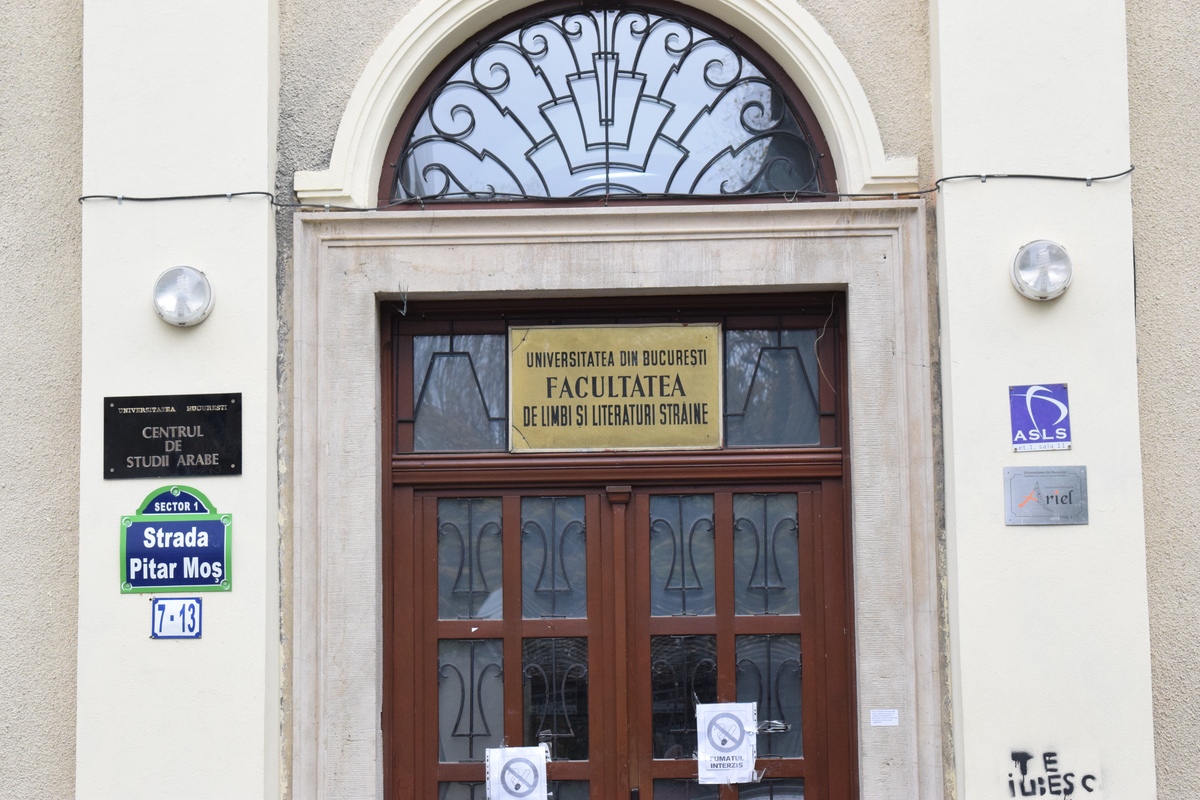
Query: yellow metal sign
619, 387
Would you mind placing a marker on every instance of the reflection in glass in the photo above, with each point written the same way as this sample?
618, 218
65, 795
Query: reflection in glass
614, 101
684, 790
462, 791
469, 558
553, 558
567, 790
554, 677
681, 555
683, 671
470, 698
769, 673
459, 393
771, 388
773, 789
766, 565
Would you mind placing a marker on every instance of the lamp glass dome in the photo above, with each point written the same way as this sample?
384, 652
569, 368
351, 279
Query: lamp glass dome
1042, 270
183, 296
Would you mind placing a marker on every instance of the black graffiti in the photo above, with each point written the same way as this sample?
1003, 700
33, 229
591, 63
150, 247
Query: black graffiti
1054, 782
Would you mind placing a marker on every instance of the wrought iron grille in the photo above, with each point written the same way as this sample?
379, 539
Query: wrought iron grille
769, 673
681, 555
469, 542
683, 672
766, 535
470, 697
555, 683
607, 101
553, 557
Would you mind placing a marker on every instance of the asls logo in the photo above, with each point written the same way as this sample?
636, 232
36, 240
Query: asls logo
1040, 417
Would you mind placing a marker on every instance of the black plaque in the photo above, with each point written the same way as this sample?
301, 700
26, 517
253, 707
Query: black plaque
164, 436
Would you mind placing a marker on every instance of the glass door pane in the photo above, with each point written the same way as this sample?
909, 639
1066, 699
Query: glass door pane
681, 555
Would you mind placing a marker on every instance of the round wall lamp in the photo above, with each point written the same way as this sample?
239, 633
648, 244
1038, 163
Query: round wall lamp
183, 296
1042, 270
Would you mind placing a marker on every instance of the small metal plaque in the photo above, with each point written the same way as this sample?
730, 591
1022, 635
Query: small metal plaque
173, 435
617, 387
1045, 496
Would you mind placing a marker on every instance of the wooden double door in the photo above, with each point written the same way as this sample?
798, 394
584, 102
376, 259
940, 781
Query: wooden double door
589, 603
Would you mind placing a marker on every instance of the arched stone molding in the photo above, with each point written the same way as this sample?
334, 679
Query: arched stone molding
431, 31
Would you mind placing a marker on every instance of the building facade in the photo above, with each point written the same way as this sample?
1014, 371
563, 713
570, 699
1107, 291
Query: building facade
948, 649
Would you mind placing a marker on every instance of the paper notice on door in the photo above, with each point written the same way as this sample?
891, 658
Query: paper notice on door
516, 773
728, 742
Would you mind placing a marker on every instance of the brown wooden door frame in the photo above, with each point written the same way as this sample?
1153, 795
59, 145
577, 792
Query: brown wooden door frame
612, 481
618, 628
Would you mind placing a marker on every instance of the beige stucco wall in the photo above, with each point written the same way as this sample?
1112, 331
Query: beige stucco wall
1164, 85
325, 47
40, 116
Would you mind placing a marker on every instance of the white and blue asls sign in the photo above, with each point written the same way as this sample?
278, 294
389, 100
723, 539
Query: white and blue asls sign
177, 542
1040, 416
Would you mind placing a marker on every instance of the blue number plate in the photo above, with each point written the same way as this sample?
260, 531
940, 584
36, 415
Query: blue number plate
175, 618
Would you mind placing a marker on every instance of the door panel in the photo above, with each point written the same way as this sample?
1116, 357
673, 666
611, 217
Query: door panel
749, 553
593, 619
509, 634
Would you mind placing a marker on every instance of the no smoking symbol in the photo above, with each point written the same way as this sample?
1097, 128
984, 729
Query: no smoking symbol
725, 732
519, 777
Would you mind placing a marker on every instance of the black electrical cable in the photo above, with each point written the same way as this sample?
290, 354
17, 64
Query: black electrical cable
447, 199
121, 198
984, 177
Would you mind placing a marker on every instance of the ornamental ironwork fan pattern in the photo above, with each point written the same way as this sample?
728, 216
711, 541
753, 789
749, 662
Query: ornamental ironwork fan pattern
606, 102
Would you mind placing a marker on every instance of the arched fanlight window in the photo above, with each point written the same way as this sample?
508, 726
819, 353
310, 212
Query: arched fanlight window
611, 100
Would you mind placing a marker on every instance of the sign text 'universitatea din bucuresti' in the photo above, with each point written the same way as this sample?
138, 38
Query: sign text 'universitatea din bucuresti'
621, 387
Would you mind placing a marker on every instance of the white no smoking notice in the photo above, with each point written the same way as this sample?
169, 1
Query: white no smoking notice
727, 734
516, 773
